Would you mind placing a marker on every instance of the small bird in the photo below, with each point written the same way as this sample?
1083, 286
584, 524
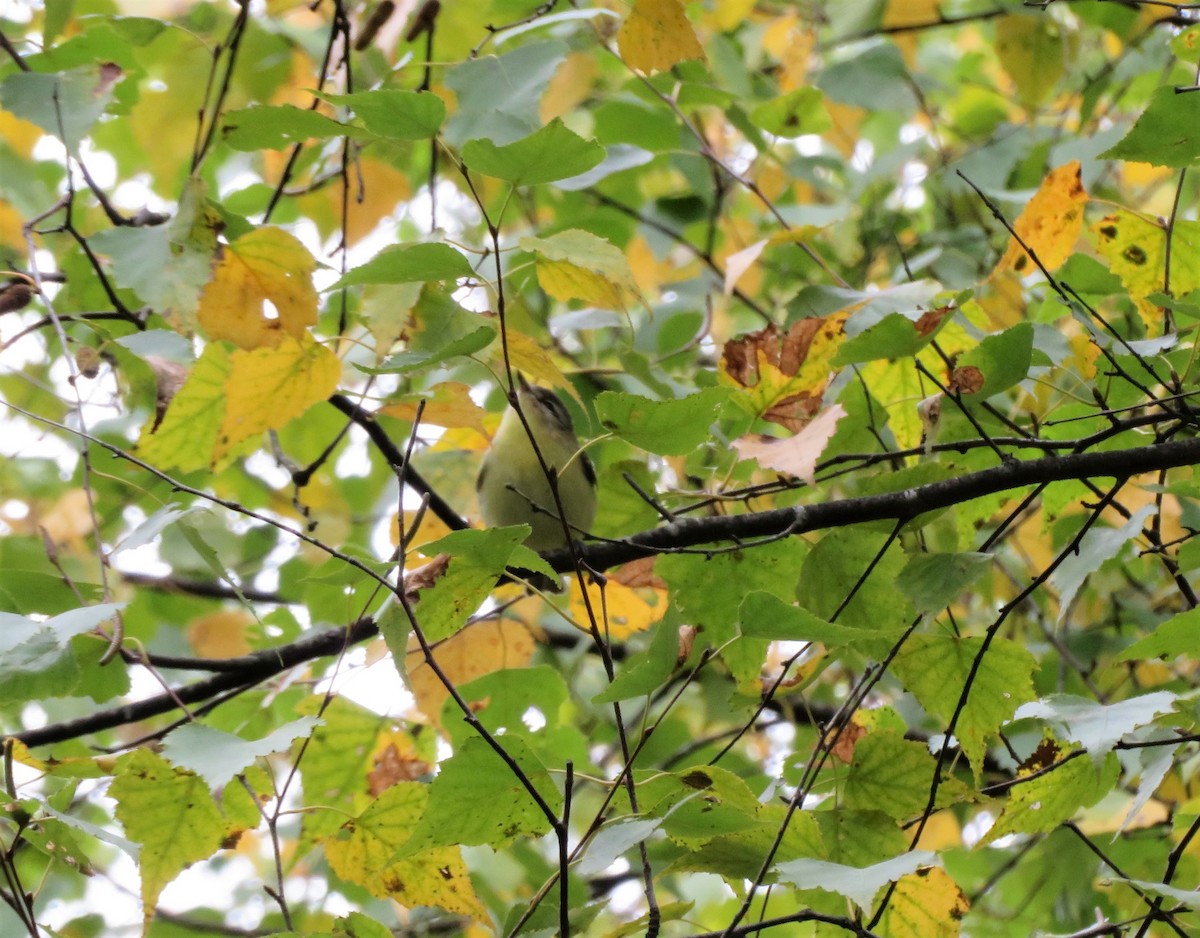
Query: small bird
512, 486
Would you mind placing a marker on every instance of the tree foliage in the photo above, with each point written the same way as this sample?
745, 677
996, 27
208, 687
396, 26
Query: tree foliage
878, 319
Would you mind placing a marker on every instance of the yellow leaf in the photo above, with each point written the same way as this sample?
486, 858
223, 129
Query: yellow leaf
847, 118
927, 904
266, 266
1033, 52
220, 634
448, 404
187, 437
1135, 248
432, 528
69, 519
268, 387
898, 386
620, 610
578, 265
1050, 224
728, 14
20, 135
534, 361
12, 234
911, 12
479, 649
364, 852
657, 36
570, 86
378, 188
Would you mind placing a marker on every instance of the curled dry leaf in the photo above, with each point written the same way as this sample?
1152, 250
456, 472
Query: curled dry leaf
426, 575
687, 638
845, 741
169, 377
15, 295
638, 573
966, 380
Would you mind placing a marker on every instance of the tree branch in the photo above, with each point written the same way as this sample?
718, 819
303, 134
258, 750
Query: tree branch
681, 533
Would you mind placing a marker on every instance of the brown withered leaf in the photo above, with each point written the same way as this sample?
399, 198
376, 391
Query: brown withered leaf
1047, 753
931, 319
846, 741
426, 575
687, 638
786, 352
966, 380
392, 766
15, 295
785, 373
638, 573
169, 377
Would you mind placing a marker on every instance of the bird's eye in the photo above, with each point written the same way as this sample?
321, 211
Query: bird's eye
553, 406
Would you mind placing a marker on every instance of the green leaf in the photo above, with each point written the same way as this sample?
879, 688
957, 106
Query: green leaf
393, 113
1174, 637
408, 263
501, 808
1042, 803
498, 96
892, 774
276, 127
643, 674
858, 884
709, 591
167, 265
217, 756
1094, 726
612, 842
934, 668
668, 428
65, 105
38, 661
337, 759
410, 361
1004, 360
553, 152
171, 813
934, 581
833, 570
763, 615
1165, 134
894, 336
1098, 545
700, 803
793, 114
477, 559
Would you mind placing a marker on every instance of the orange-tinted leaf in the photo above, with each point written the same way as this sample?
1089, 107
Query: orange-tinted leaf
479, 649
1050, 224
220, 634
